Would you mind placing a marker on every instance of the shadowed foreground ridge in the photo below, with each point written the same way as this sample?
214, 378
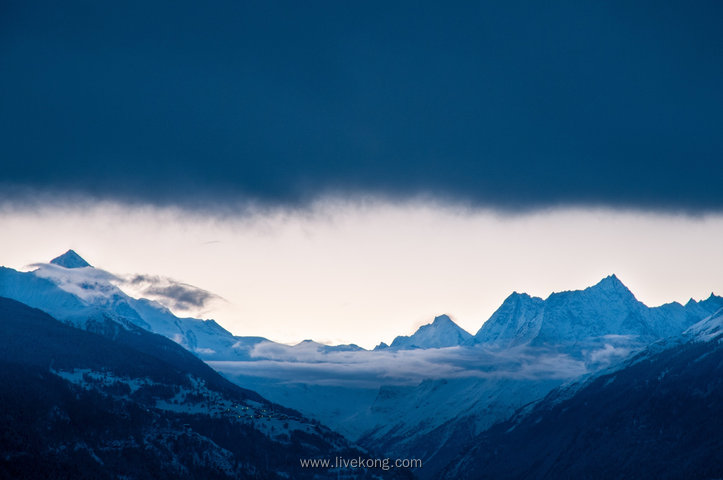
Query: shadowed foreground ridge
131, 404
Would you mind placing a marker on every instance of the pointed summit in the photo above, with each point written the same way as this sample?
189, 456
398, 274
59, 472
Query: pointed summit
611, 281
70, 259
611, 285
442, 332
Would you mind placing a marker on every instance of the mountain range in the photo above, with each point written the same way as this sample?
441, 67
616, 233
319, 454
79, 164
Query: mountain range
440, 394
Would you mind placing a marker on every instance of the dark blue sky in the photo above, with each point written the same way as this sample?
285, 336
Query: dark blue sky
502, 104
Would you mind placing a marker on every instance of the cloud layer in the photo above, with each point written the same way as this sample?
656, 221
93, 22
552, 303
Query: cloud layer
93, 283
311, 363
585, 103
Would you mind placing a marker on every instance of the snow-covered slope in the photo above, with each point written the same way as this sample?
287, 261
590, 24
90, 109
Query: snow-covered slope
706, 330
82, 301
517, 320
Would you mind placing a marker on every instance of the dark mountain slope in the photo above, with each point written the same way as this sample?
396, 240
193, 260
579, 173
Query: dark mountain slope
77, 404
661, 416
32, 337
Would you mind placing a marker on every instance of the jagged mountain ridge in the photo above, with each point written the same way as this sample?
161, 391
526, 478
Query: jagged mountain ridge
607, 308
78, 291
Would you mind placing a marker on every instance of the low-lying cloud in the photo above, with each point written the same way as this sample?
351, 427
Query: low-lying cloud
88, 283
171, 293
309, 363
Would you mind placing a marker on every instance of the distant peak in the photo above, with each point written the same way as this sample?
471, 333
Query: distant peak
441, 322
611, 282
70, 259
442, 332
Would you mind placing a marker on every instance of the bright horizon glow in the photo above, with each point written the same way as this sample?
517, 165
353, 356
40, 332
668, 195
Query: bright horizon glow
366, 272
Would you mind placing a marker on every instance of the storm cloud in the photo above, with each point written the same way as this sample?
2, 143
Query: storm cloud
499, 104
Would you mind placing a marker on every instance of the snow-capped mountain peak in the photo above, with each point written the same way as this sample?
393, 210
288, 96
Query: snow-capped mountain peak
606, 308
70, 259
87, 297
442, 332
